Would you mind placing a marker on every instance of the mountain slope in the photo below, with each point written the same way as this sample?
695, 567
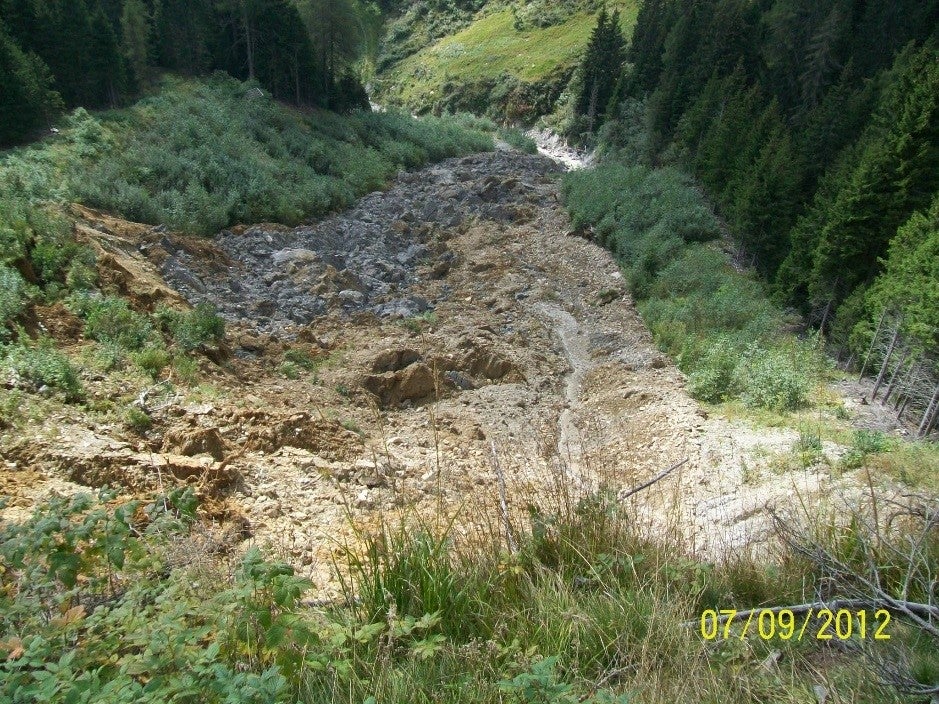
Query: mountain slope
509, 63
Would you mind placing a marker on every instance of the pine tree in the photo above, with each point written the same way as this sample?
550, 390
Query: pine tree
135, 38
27, 100
910, 280
653, 23
898, 171
338, 37
107, 71
186, 36
601, 67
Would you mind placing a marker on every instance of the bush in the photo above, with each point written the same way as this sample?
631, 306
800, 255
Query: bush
138, 420
194, 328
12, 295
117, 595
111, 320
41, 365
153, 359
40, 236
700, 309
198, 157
714, 378
516, 138
772, 379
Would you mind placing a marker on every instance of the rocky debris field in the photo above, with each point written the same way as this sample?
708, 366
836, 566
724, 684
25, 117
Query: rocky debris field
409, 357
368, 258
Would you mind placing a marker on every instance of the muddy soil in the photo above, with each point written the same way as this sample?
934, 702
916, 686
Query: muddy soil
449, 336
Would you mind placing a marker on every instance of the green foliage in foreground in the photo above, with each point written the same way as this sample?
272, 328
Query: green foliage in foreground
12, 295
718, 323
109, 602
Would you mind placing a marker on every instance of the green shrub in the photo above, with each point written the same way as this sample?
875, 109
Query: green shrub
301, 358
773, 378
289, 370
700, 309
136, 625
517, 138
12, 295
194, 328
153, 359
41, 365
186, 369
714, 378
865, 444
199, 157
137, 419
412, 575
112, 321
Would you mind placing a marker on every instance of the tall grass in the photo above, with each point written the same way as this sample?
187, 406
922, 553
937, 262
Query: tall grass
586, 606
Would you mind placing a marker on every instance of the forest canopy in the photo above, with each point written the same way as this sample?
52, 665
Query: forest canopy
814, 128
101, 53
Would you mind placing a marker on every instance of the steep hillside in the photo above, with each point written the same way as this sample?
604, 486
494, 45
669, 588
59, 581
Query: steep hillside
512, 61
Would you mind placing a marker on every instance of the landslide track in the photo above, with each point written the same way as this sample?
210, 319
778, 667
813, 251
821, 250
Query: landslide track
462, 337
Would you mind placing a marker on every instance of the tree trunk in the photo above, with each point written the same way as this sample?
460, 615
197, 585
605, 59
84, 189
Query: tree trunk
249, 39
929, 417
903, 393
873, 343
896, 375
886, 364
592, 110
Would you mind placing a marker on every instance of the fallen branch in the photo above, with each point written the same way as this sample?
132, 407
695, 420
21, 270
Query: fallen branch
657, 478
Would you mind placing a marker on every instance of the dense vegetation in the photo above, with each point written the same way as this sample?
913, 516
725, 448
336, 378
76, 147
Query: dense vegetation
717, 322
110, 601
814, 128
98, 53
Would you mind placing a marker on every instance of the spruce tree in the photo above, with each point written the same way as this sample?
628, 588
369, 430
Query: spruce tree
601, 67
27, 100
136, 38
897, 173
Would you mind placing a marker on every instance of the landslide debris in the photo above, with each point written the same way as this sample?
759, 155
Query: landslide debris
405, 357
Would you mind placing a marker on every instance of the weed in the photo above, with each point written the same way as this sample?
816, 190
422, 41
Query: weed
301, 358
137, 420
289, 370
12, 296
194, 328
11, 403
808, 447
153, 359
517, 138
352, 426
42, 366
186, 369
418, 323
865, 444
111, 320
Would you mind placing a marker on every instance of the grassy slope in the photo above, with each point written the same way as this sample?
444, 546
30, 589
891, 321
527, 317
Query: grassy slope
491, 47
